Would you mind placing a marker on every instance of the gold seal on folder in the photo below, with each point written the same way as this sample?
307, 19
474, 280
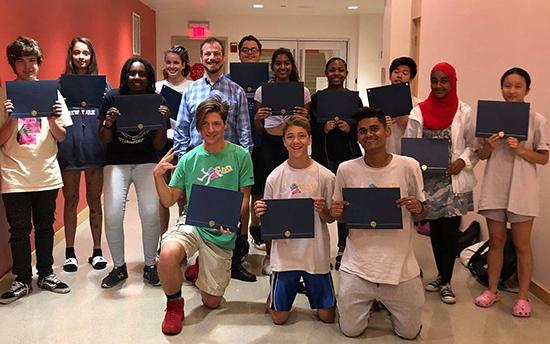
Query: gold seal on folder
140, 126
83, 103
34, 113
286, 234
424, 167
211, 223
283, 111
373, 224
501, 134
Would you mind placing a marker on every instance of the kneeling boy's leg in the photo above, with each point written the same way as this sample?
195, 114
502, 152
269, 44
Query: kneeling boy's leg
214, 273
321, 295
405, 302
355, 298
284, 287
177, 243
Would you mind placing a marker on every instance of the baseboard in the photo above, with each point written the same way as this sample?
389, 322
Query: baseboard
5, 281
540, 292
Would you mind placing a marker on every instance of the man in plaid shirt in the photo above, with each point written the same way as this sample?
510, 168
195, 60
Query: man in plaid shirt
238, 130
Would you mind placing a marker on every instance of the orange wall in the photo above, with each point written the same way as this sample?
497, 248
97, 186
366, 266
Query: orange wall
54, 23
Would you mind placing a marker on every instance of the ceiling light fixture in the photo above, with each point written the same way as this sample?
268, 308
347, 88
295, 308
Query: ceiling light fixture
353, 7
258, 6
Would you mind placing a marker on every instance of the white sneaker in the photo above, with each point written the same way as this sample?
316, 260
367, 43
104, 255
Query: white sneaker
266, 266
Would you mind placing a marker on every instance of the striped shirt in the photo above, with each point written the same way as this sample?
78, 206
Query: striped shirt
238, 130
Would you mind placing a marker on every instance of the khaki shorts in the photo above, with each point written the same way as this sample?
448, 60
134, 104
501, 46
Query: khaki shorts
404, 302
214, 262
503, 215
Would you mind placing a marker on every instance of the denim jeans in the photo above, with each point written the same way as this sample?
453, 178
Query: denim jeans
116, 183
23, 209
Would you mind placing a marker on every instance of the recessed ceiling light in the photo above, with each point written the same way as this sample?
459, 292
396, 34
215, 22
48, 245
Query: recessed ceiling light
258, 6
353, 7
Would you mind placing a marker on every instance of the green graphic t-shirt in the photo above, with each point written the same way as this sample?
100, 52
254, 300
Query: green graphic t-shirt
229, 169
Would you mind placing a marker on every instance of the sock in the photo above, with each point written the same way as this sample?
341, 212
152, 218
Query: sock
174, 296
69, 253
97, 252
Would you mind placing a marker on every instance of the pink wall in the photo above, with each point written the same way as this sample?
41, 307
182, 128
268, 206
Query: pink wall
54, 23
482, 39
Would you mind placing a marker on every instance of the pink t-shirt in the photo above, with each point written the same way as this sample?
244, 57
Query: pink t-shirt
310, 255
381, 256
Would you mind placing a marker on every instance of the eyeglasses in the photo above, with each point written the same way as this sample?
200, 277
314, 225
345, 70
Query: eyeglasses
250, 50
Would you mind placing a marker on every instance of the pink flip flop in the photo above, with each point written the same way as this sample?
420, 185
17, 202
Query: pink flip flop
487, 299
522, 308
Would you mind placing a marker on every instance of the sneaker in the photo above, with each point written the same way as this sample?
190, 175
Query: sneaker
117, 275
16, 291
434, 285
447, 294
52, 283
256, 237
151, 275
192, 272
173, 319
266, 266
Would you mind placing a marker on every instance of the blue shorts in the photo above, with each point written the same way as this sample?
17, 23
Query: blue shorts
285, 284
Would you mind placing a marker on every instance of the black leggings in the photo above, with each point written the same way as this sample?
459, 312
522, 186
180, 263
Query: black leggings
444, 233
274, 152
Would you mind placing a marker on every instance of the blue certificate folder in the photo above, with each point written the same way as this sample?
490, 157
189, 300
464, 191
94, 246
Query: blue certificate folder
32, 98
334, 103
249, 76
85, 91
290, 218
431, 154
372, 208
139, 111
508, 119
212, 207
395, 100
173, 100
282, 97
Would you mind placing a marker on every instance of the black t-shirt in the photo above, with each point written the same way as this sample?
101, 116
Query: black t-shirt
336, 146
127, 147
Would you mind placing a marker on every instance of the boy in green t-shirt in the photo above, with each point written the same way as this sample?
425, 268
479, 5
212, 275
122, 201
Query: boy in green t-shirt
218, 163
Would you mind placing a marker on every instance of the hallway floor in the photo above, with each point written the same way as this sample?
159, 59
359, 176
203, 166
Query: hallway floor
133, 311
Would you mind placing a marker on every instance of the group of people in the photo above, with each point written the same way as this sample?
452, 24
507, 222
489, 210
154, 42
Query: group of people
227, 138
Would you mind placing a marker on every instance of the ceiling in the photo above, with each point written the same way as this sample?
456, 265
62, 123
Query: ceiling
278, 7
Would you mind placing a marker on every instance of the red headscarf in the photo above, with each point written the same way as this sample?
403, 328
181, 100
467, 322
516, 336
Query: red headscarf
438, 113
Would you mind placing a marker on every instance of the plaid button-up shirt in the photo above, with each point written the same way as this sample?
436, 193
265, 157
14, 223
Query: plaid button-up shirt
238, 130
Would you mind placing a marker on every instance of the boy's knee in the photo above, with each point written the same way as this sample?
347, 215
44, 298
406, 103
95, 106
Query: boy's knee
409, 333
279, 318
351, 330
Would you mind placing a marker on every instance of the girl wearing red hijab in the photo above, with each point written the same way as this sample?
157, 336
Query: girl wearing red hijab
448, 196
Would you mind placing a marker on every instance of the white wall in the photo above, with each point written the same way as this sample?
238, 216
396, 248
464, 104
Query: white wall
234, 27
397, 32
482, 39
369, 53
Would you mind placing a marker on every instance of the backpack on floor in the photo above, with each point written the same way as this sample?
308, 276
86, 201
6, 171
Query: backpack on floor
468, 237
478, 263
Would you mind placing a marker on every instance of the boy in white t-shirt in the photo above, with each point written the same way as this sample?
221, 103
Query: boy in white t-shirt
31, 178
301, 177
380, 264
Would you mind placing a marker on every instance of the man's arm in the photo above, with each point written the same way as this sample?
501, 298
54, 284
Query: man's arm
182, 137
242, 121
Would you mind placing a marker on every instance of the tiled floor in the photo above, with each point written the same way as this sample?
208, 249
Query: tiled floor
132, 313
